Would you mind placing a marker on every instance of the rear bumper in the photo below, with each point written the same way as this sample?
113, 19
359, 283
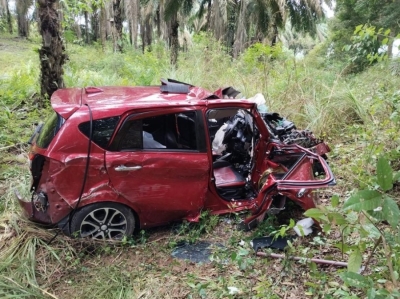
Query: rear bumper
30, 212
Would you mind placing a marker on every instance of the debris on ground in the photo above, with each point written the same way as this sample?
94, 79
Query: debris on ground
303, 227
197, 253
270, 242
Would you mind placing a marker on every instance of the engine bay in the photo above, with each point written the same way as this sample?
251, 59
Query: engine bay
234, 136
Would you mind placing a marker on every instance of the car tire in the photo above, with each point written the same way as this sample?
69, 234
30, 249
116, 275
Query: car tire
103, 220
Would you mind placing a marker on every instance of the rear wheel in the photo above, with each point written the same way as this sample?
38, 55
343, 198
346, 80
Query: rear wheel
103, 220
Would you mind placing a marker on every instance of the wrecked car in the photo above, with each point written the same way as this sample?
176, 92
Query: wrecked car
111, 160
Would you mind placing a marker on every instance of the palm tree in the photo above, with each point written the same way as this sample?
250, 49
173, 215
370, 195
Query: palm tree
302, 42
117, 25
52, 53
22, 18
132, 8
5, 11
172, 10
265, 17
200, 13
147, 14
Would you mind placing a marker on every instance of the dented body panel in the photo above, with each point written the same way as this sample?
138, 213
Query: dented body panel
154, 152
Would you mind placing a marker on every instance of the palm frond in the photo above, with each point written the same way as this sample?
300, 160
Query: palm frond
203, 3
171, 8
263, 17
187, 6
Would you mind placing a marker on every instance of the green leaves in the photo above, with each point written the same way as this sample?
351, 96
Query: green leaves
335, 200
367, 200
314, 213
377, 203
355, 280
384, 174
355, 259
389, 212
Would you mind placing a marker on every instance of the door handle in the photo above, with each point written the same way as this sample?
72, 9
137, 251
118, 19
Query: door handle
125, 168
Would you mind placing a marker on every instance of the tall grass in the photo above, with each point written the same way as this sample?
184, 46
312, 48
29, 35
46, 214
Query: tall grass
92, 67
357, 112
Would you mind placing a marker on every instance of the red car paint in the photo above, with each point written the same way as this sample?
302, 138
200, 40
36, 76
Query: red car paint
164, 185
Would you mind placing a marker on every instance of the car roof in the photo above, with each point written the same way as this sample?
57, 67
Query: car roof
122, 98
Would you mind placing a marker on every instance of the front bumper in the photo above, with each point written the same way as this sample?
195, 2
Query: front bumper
30, 212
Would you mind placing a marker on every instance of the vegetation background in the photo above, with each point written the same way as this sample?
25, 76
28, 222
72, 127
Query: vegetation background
339, 77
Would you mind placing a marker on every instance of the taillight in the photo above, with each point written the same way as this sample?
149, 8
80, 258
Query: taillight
36, 165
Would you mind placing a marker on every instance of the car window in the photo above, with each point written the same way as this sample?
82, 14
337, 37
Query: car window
175, 131
102, 130
49, 130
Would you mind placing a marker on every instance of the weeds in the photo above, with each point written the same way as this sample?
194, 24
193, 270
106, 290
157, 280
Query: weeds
359, 115
190, 232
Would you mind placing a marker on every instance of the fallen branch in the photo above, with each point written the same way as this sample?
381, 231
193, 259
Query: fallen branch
10, 146
297, 258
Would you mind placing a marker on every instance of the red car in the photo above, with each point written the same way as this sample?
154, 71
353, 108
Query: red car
110, 160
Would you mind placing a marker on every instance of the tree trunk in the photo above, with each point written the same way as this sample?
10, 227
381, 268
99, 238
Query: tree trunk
274, 37
117, 26
94, 21
135, 22
240, 35
209, 10
158, 21
86, 14
103, 27
392, 35
174, 40
132, 16
22, 20
9, 21
164, 26
142, 36
218, 20
52, 53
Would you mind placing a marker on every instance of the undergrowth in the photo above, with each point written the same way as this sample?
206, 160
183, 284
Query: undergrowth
358, 115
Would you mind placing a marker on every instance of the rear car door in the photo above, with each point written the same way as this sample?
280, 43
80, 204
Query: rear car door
159, 163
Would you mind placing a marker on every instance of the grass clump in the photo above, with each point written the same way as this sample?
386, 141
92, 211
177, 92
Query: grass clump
357, 114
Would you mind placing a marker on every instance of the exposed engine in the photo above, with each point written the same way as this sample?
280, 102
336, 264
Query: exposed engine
238, 136
286, 131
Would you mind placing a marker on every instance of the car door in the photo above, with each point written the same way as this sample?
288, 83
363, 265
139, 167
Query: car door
159, 163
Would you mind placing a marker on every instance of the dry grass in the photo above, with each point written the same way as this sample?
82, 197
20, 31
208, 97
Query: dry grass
70, 268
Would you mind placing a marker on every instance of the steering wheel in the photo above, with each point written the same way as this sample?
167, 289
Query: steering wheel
230, 129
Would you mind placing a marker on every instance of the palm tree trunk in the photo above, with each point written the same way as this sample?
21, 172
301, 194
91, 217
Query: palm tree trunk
131, 14
22, 20
94, 20
391, 41
135, 22
174, 26
9, 21
117, 26
241, 34
86, 14
52, 53
158, 21
147, 33
209, 10
164, 27
103, 27
274, 38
